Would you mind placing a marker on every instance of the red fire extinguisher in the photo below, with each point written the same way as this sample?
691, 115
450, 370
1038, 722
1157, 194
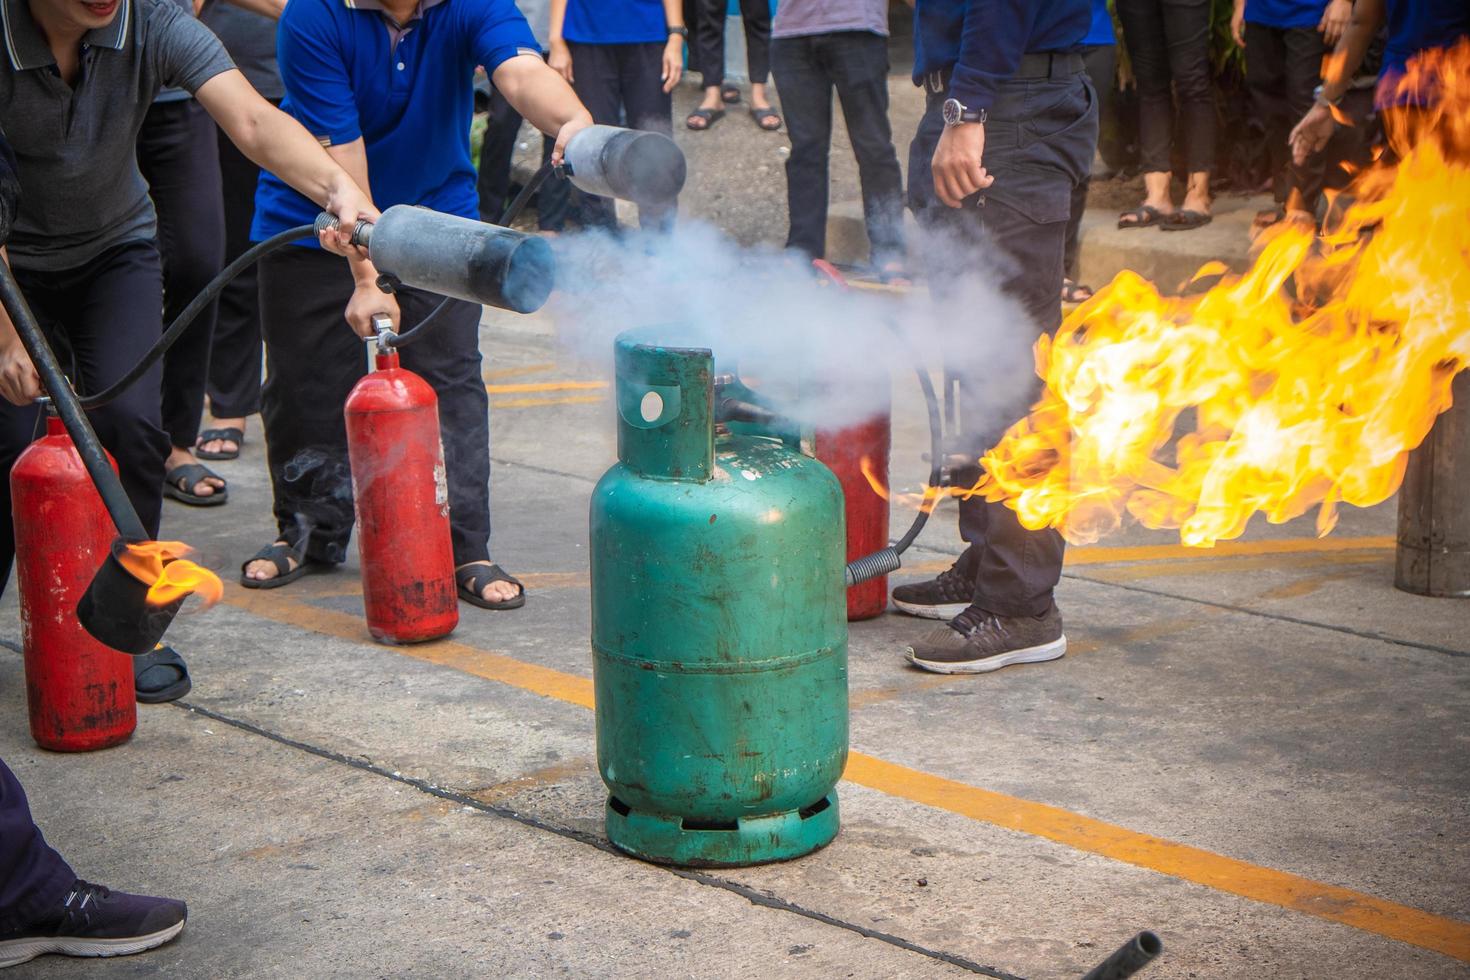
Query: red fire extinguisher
80, 693
402, 499
847, 452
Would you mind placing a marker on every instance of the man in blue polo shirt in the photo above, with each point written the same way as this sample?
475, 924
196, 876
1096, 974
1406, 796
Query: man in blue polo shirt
1009, 132
387, 86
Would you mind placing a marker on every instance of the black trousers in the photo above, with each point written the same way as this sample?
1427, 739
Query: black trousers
708, 41
101, 317
313, 359
234, 362
1039, 143
33, 877
1102, 66
618, 83
1169, 45
807, 69
496, 153
178, 156
1282, 68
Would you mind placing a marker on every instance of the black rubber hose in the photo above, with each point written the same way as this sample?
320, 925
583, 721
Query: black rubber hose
886, 560
191, 312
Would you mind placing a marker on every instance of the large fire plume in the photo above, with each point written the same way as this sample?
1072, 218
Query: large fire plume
1301, 384
170, 576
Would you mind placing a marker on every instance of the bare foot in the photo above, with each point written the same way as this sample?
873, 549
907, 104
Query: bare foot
499, 591
223, 445
262, 569
206, 487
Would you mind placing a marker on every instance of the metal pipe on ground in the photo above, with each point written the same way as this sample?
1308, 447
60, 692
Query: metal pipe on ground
1433, 555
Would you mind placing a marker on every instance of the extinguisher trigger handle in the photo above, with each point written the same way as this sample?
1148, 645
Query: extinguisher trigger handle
383, 334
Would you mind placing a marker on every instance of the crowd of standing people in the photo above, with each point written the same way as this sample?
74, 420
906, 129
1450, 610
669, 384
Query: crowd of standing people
147, 153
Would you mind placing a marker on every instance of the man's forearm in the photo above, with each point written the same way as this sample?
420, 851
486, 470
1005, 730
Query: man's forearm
352, 157
539, 93
269, 137
266, 8
1342, 64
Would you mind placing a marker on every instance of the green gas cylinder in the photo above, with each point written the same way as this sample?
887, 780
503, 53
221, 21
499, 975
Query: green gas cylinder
719, 627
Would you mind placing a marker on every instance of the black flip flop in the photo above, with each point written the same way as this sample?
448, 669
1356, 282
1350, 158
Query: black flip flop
280, 554
710, 117
151, 673
1186, 220
472, 580
191, 474
761, 115
1143, 217
730, 94
237, 436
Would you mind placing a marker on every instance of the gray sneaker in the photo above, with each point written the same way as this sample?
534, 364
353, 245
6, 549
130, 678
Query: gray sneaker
977, 642
942, 597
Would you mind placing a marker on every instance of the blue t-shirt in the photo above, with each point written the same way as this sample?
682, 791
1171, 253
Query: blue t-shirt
1285, 14
411, 102
1101, 31
615, 21
1414, 25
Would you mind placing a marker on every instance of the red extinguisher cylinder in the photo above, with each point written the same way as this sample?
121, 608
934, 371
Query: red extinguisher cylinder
402, 497
79, 692
846, 452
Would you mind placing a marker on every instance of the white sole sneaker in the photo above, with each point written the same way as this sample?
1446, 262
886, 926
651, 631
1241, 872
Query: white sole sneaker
947, 611
1026, 655
16, 951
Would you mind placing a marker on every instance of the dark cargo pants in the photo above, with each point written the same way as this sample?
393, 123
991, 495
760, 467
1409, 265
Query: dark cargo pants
1039, 141
33, 877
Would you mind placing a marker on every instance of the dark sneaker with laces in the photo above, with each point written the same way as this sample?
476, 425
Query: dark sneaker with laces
944, 597
977, 642
93, 921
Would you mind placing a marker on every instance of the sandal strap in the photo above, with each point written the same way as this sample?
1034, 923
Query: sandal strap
474, 578
279, 555
190, 475
232, 434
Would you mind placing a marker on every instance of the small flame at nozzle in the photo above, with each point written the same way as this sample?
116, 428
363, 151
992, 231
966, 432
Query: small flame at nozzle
170, 576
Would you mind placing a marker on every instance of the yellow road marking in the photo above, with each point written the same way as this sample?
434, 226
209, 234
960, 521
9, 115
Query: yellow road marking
1259, 884
517, 372
1233, 566
1095, 555
545, 776
539, 402
1410, 925
514, 389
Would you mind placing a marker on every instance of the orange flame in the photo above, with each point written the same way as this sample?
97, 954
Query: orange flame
1306, 380
925, 501
170, 574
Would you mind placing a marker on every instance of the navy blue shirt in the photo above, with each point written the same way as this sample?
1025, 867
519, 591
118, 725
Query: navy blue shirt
408, 94
1285, 14
983, 40
1414, 25
615, 22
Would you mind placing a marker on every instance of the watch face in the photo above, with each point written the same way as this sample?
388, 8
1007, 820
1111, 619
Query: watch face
952, 112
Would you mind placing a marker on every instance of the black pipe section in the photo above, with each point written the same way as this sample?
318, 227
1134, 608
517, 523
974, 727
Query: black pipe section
887, 560
197, 306
69, 408
1131, 957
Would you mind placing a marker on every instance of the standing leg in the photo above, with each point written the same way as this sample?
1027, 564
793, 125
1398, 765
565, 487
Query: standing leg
595, 67
501, 130
235, 357
449, 360
806, 94
1304, 50
707, 56
33, 877
756, 16
1100, 60
1187, 33
649, 107
1143, 32
312, 361
179, 156
20, 425
858, 64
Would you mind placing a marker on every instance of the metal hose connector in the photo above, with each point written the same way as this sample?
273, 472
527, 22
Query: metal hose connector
872, 566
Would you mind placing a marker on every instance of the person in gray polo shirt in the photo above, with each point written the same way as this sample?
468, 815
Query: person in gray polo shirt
78, 79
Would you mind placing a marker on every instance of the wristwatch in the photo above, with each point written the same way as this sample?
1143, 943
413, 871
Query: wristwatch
1324, 100
681, 30
956, 112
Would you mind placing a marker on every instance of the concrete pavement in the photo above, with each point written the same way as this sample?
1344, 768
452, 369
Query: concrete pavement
1257, 752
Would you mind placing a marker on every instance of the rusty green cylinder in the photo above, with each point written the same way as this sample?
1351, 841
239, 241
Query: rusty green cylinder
719, 627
